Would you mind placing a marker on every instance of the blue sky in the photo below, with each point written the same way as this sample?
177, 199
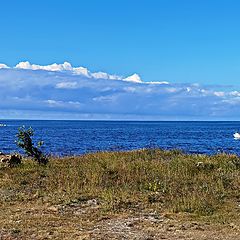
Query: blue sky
181, 42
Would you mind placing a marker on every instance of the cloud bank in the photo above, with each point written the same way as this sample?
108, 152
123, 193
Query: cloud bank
61, 91
81, 71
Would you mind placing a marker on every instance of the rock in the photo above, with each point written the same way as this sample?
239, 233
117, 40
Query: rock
10, 160
5, 158
198, 227
200, 164
92, 202
53, 209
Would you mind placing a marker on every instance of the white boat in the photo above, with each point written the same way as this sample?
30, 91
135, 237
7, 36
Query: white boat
2, 125
236, 136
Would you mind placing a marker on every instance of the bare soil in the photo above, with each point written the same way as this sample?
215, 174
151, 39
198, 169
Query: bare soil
88, 221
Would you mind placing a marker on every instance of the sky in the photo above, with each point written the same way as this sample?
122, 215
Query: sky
143, 60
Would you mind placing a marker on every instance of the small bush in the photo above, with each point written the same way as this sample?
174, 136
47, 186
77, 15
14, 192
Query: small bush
25, 142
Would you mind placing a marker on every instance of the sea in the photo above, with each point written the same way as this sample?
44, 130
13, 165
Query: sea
80, 137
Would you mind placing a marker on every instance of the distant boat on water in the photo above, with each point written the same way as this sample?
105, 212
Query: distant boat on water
236, 136
3, 125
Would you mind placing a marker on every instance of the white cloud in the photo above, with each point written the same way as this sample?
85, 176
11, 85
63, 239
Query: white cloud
62, 104
133, 78
68, 91
235, 93
81, 71
161, 82
219, 94
67, 85
103, 75
2, 65
53, 67
66, 66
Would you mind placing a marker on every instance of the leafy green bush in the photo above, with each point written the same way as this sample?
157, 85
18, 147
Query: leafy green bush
25, 142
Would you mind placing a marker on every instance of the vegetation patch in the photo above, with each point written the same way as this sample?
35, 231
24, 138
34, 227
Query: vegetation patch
100, 185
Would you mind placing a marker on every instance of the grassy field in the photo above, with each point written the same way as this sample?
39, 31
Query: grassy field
149, 192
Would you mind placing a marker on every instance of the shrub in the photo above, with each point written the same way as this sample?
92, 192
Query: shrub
25, 142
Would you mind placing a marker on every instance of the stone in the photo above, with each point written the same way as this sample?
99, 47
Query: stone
53, 209
10, 160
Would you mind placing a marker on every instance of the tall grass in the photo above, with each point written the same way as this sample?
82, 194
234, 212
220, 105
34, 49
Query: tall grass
168, 181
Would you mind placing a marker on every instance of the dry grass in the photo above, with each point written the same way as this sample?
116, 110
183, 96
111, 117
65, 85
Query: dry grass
186, 187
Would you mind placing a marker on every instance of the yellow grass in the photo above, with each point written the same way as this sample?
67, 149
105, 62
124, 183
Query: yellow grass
169, 182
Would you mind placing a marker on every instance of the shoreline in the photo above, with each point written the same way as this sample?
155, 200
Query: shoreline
182, 151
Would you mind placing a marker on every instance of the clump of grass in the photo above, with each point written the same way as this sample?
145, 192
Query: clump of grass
168, 181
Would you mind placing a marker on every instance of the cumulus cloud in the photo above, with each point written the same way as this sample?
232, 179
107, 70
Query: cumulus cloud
133, 78
53, 67
66, 66
64, 91
2, 65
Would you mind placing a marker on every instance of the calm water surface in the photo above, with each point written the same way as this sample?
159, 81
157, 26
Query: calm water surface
77, 137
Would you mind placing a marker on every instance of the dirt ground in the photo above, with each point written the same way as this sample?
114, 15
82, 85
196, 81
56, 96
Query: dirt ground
88, 221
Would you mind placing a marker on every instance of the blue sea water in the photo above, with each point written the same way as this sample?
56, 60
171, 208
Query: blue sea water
78, 137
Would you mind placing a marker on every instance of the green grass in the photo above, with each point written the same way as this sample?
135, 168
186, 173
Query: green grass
167, 181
